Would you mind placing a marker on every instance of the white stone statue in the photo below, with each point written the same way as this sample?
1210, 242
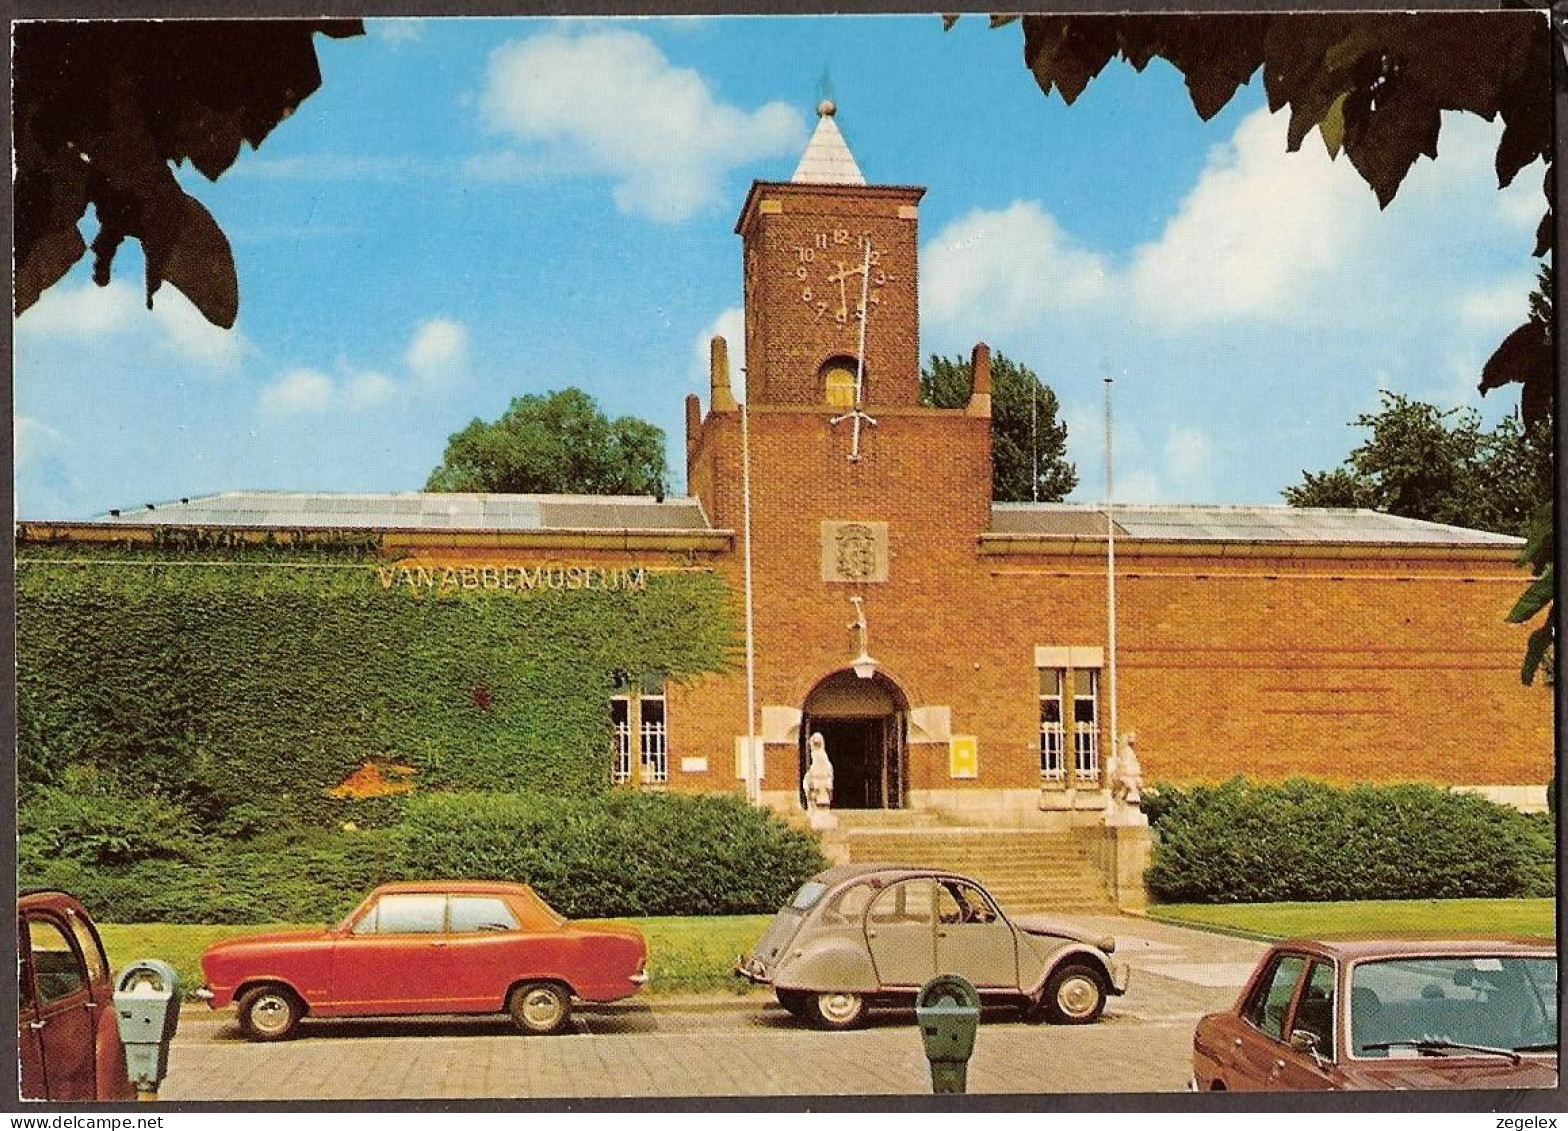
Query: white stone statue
1125, 774
818, 782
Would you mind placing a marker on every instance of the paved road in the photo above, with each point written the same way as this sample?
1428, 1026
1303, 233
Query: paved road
715, 1048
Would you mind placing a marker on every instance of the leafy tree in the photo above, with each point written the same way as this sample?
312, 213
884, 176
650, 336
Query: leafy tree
1374, 86
1424, 462
101, 108
1028, 443
558, 443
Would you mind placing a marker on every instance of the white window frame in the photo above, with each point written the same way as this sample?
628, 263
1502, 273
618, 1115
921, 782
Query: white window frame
1086, 739
1053, 736
653, 745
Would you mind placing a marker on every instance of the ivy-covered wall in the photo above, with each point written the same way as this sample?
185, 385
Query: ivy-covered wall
270, 678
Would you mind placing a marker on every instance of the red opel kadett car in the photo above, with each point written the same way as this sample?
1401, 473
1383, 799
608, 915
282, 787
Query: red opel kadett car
1387, 1013
424, 948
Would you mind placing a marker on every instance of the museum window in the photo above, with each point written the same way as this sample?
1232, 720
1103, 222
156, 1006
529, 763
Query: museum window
1069, 718
638, 720
1086, 724
1053, 729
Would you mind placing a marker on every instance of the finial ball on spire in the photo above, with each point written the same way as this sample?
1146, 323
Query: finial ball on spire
826, 109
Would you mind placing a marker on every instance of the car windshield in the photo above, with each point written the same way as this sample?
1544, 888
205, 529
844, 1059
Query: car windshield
1448, 1006
806, 898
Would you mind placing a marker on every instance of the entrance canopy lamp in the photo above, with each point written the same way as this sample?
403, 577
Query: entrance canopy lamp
864, 666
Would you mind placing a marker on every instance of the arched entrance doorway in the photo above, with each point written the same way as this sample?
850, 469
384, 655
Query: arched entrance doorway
862, 723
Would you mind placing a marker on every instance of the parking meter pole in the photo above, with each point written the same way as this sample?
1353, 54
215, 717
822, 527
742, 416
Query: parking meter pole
947, 1009
147, 1012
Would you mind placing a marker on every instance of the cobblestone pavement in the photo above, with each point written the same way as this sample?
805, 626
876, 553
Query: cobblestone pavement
718, 1047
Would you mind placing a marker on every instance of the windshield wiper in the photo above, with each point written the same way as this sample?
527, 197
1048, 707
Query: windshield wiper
1549, 1047
1433, 1045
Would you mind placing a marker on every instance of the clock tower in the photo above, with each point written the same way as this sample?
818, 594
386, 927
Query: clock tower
821, 249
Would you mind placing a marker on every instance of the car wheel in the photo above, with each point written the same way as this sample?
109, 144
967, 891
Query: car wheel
1074, 994
836, 1010
269, 1013
540, 1007
795, 1001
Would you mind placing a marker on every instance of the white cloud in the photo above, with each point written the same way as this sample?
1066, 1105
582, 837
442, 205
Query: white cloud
403, 30
1189, 460
1260, 230
438, 351
1002, 270
608, 102
731, 326
88, 312
35, 441
1499, 306
299, 391
369, 390
84, 311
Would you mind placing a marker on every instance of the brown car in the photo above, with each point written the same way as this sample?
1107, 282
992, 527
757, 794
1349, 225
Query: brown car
872, 934
1381, 1013
66, 1033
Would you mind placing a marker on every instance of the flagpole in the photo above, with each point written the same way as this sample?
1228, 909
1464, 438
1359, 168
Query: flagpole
1110, 568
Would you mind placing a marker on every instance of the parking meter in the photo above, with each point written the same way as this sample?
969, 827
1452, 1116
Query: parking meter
147, 1010
947, 1009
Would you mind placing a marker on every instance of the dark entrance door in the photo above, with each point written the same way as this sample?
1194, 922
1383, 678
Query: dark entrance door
862, 726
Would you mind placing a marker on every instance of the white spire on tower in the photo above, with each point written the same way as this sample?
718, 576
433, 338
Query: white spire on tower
827, 160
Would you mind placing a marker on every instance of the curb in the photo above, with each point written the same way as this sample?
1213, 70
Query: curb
1214, 929
672, 1003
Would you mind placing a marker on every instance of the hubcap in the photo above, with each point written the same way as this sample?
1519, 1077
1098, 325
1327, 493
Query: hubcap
542, 1007
271, 1013
1077, 996
839, 1007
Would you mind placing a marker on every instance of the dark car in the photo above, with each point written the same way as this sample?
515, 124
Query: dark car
423, 948
866, 934
1383, 1013
66, 1032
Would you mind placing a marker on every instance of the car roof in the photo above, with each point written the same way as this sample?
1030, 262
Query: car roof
463, 887
890, 873
1363, 946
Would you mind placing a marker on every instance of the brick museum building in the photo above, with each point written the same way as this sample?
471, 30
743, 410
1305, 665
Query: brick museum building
956, 654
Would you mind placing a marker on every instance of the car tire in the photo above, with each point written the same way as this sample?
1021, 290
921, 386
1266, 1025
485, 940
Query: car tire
836, 1010
1074, 994
793, 1001
541, 1008
270, 1013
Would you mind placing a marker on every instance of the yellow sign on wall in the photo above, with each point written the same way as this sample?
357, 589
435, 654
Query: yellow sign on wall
963, 756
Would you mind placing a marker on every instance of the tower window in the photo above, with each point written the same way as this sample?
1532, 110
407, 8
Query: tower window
838, 383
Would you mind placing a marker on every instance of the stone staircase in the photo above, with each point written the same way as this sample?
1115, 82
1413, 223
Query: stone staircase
1025, 869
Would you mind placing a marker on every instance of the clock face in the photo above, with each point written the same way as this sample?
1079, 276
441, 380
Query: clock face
837, 270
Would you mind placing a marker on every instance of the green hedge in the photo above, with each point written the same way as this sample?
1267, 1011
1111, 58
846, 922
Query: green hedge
270, 679
1302, 840
622, 854
605, 855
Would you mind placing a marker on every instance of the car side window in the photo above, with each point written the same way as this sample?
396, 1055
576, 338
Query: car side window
405, 914
849, 905
1266, 1008
963, 903
57, 968
1315, 1012
479, 913
907, 902
91, 948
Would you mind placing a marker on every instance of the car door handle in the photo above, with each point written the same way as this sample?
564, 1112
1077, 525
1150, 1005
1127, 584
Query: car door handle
871, 934
37, 1024
1236, 1043
941, 934
1279, 1066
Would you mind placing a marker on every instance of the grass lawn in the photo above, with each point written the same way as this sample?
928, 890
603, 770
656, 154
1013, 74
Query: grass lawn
1437, 916
686, 955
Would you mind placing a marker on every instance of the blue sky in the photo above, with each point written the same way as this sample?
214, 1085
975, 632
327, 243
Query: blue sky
470, 210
